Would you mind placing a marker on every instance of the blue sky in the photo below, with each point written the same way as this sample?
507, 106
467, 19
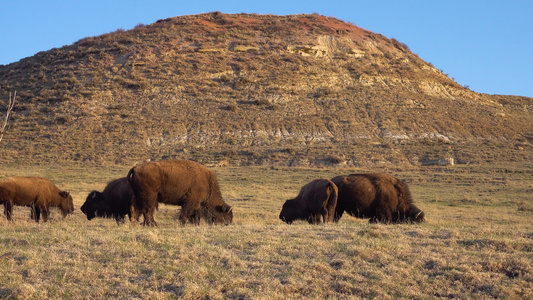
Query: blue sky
484, 44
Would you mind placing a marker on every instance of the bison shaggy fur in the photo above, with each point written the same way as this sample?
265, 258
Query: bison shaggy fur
113, 202
36, 192
315, 202
178, 182
378, 196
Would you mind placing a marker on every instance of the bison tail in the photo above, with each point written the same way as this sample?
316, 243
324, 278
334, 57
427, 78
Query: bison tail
332, 201
136, 200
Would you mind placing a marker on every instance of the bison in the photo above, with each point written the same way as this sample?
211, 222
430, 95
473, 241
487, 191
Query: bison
315, 202
179, 182
36, 192
378, 196
113, 202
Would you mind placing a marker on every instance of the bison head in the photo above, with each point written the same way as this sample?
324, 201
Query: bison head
290, 211
417, 216
219, 214
66, 205
91, 205
223, 214
413, 215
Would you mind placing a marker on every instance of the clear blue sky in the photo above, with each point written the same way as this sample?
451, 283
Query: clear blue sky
485, 44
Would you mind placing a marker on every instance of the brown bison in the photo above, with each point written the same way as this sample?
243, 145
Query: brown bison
315, 202
113, 202
178, 182
378, 196
36, 192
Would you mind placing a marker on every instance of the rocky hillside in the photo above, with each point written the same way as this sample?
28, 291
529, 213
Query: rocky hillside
252, 89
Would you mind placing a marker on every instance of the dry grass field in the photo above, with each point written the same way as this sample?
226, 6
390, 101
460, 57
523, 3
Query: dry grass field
477, 242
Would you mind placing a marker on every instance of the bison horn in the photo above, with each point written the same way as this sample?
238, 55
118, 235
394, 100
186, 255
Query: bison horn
418, 214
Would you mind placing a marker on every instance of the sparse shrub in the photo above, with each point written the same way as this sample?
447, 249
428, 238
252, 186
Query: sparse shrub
63, 119
524, 206
274, 107
291, 151
399, 45
468, 199
224, 78
262, 102
142, 85
230, 107
229, 153
323, 92
335, 160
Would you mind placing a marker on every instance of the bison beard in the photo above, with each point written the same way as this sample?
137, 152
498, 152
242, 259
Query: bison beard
179, 182
378, 196
316, 201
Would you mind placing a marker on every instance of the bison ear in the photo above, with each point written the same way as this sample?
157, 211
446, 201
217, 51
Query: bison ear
94, 196
64, 194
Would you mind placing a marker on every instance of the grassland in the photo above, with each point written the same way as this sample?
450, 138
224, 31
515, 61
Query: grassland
477, 242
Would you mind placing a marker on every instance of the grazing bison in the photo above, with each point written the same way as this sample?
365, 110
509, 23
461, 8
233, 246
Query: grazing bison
113, 202
377, 196
178, 182
36, 192
316, 201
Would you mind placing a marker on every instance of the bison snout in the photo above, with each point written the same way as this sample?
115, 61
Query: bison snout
284, 219
90, 215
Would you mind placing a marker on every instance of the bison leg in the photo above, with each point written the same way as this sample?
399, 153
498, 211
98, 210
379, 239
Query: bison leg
149, 220
182, 217
337, 215
119, 218
134, 215
46, 211
326, 218
382, 215
35, 213
330, 216
195, 218
8, 210
400, 217
149, 217
189, 214
339, 211
327, 213
129, 215
314, 219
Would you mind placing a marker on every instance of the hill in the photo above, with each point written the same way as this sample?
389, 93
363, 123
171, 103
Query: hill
298, 90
